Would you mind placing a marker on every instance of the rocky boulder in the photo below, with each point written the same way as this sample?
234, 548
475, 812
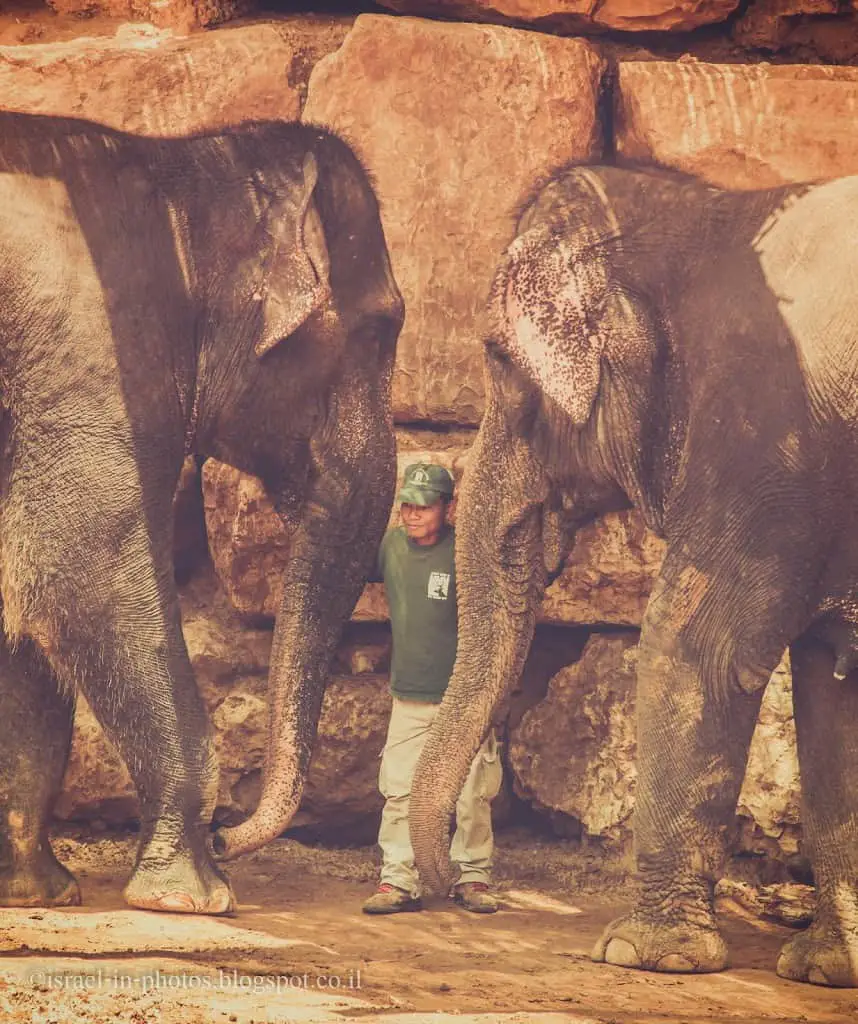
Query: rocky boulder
823, 29
770, 802
473, 116
573, 754
248, 541
579, 15
738, 126
181, 15
608, 575
149, 81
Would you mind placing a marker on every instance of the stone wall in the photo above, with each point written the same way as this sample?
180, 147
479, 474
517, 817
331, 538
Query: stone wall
809, 30
455, 122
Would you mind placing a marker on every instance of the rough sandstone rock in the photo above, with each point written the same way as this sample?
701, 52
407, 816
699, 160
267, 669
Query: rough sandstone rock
146, 80
825, 30
771, 795
473, 116
608, 575
248, 541
739, 126
96, 785
579, 15
573, 754
182, 15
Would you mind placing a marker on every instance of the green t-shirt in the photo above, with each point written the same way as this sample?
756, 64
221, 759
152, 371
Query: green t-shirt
420, 583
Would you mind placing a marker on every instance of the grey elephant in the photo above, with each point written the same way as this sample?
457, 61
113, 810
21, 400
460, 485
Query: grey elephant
657, 343
227, 294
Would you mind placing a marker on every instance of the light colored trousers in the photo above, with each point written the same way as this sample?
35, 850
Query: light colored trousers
473, 842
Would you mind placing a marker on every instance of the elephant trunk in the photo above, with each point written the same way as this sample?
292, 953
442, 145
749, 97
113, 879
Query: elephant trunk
500, 578
334, 547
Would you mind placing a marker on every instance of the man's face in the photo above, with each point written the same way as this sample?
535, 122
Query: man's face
423, 523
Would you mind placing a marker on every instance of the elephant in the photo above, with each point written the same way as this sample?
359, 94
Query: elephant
654, 342
228, 294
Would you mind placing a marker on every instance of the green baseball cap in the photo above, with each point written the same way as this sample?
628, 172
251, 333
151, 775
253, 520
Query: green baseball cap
425, 483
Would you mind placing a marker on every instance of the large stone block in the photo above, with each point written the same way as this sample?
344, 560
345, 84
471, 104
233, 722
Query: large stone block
580, 15
471, 117
770, 799
248, 541
149, 81
608, 575
827, 29
739, 126
573, 754
182, 15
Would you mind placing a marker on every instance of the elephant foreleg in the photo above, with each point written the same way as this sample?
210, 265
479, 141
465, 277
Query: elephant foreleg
693, 740
826, 718
35, 736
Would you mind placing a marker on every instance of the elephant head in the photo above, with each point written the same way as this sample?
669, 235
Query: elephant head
570, 352
295, 264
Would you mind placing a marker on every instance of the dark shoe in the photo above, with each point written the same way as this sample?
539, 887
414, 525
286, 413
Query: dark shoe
476, 897
387, 899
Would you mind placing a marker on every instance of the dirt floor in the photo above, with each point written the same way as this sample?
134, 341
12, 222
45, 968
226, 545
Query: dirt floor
299, 950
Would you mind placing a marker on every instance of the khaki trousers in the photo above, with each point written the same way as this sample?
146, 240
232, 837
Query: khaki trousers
473, 842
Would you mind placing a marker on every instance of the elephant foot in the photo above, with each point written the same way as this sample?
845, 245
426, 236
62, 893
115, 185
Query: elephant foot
179, 883
650, 944
821, 956
39, 882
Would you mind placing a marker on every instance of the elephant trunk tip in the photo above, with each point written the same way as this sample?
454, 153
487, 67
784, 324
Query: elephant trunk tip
250, 835
439, 875
432, 854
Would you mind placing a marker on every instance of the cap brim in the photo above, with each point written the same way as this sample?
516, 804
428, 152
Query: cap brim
418, 496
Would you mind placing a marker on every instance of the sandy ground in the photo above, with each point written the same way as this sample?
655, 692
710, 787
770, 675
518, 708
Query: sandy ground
299, 950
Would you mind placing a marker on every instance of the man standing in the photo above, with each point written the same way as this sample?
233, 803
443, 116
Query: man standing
416, 562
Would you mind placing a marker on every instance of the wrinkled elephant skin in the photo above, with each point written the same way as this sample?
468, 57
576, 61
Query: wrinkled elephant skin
657, 343
225, 294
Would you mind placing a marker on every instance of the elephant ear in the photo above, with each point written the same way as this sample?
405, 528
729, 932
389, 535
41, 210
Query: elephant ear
548, 297
296, 267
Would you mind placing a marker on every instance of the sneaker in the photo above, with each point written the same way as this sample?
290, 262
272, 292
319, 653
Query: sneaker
388, 899
476, 897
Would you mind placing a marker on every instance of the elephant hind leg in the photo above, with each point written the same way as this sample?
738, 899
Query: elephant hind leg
826, 718
106, 616
693, 738
35, 736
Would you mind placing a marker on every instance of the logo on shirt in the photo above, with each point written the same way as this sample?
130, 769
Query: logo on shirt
439, 585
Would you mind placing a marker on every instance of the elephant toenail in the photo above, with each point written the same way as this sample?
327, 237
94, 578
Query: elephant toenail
222, 902
622, 953
179, 902
817, 977
677, 964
